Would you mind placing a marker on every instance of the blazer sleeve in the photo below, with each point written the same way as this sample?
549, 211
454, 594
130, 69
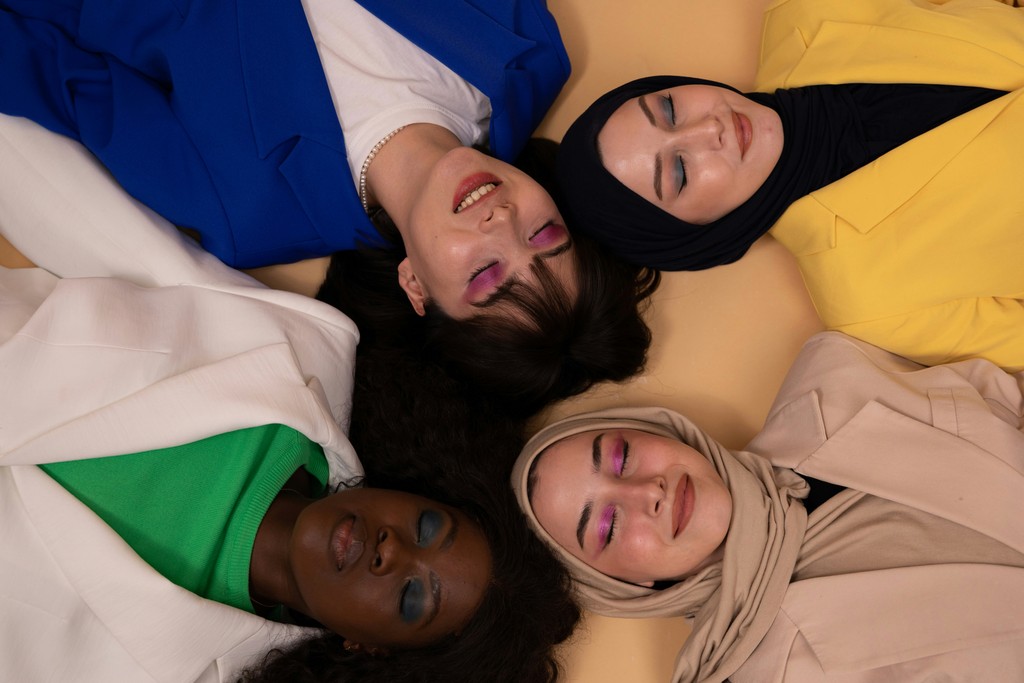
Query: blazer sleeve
957, 42
836, 376
64, 212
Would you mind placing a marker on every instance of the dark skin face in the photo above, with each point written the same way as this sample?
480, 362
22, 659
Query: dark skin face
385, 569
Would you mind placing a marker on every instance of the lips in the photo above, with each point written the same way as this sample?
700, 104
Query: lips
471, 190
347, 541
744, 132
682, 505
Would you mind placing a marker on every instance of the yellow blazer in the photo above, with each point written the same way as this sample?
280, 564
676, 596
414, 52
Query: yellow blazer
921, 251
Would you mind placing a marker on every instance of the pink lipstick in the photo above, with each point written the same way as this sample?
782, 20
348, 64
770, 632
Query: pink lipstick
346, 546
744, 132
682, 505
471, 184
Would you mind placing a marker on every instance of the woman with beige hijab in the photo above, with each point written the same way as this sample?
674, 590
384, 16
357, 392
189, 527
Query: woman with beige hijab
870, 532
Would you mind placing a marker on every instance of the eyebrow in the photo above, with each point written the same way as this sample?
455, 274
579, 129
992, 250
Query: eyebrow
453, 530
646, 110
588, 509
502, 291
657, 157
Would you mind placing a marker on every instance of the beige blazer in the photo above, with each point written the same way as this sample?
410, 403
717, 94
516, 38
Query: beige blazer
945, 440
181, 347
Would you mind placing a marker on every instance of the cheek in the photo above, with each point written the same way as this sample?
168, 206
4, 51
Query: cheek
356, 614
716, 513
640, 542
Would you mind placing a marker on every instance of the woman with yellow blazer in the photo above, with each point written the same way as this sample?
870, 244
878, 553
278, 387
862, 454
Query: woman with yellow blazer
914, 246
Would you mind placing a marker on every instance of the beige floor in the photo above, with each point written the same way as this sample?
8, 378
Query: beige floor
723, 338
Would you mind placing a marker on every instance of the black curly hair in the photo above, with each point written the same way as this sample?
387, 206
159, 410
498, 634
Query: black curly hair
526, 611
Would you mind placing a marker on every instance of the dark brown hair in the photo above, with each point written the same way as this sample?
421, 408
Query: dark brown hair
540, 345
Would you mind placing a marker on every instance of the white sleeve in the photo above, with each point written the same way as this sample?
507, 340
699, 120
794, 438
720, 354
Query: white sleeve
64, 211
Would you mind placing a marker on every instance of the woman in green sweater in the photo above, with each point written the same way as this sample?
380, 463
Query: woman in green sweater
246, 519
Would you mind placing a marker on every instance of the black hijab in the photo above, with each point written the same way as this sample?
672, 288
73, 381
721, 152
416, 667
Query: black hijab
828, 132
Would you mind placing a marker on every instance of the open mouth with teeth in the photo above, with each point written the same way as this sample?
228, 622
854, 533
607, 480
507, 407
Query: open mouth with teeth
471, 197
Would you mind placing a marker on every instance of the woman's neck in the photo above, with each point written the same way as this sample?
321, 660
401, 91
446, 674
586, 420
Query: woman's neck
270, 577
403, 166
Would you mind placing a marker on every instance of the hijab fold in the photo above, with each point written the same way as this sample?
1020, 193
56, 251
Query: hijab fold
829, 131
734, 601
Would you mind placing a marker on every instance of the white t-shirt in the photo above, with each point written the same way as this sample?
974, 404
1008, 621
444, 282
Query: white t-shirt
379, 81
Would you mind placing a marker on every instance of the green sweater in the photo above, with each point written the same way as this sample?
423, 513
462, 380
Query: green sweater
192, 511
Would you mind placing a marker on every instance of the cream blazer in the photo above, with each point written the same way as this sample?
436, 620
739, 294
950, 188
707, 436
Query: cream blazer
179, 348
920, 251
945, 440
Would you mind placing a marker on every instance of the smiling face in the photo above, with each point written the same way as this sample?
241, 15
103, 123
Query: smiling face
635, 506
695, 151
389, 569
476, 225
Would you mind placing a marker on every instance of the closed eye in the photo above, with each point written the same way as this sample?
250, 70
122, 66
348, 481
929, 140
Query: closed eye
606, 526
621, 457
481, 270
549, 234
680, 174
668, 108
427, 527
503, 290
412, 601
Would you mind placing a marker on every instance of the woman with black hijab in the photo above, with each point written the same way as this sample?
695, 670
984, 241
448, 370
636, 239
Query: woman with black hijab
893, 185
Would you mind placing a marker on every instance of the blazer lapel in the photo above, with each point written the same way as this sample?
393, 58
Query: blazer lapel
891, 181
285, 83
887, 454
292, 114
791, 433
981, 600
171, 633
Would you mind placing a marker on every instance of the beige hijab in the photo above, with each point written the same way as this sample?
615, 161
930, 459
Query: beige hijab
732, 602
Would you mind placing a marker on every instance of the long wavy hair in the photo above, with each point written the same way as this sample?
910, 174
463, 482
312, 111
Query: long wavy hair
418, 429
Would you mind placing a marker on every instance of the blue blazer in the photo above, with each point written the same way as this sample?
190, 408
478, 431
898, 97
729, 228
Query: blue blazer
216, 114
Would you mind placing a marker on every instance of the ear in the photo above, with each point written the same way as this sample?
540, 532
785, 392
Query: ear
372, 650
411, 286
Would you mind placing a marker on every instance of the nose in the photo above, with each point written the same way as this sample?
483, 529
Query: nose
704, 132
500, 216
391, 553
647, 494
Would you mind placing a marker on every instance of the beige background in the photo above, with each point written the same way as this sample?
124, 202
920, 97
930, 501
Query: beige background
723, 338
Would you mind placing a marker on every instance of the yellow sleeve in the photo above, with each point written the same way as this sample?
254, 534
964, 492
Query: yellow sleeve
986, 327
955, 42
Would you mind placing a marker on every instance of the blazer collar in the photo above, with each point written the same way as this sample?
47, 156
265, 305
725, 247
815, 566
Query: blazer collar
510, 51
887, 454
284, 80
891, 181
172, 633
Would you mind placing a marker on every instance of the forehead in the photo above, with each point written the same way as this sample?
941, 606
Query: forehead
565, 455
560, 480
